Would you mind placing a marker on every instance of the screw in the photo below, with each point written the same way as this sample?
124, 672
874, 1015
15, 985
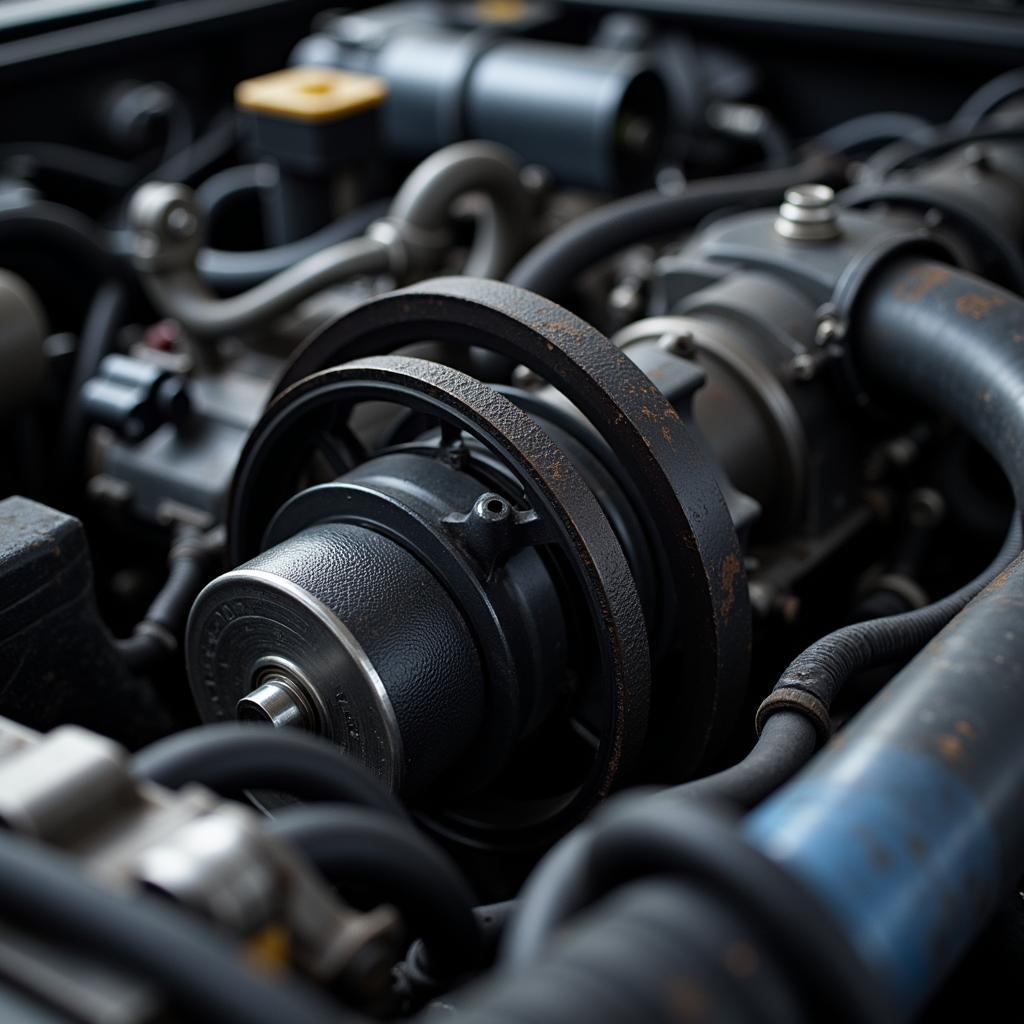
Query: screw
803, 367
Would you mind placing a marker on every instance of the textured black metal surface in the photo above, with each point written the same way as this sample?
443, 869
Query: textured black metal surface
424, 655
514, 615
51, 632
663, 458
568, 508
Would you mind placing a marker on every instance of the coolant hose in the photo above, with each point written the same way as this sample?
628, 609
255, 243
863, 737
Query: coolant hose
955, 343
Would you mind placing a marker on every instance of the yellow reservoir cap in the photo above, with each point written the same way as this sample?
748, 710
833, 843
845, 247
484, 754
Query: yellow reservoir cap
311, 94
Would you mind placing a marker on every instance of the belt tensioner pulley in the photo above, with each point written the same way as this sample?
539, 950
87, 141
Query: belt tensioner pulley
470, 606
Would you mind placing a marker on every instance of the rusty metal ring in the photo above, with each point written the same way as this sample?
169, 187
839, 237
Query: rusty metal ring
791, 698
664, 459
560, 494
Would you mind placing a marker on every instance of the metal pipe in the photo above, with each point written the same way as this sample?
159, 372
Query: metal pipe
908, 828
167, 226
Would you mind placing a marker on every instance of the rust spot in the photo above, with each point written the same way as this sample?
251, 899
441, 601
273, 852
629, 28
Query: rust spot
666, 433
917, 846
730, 570
920, 282
742, 959
951, 748
978, 306
687, 1000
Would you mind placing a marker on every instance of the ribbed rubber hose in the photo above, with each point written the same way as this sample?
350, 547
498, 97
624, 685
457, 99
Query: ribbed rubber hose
550, 267
829, 663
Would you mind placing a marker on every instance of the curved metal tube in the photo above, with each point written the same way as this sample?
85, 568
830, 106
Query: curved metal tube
182, 295
167, 229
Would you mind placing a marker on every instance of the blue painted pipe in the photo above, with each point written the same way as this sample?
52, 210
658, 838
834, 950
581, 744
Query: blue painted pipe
909, 827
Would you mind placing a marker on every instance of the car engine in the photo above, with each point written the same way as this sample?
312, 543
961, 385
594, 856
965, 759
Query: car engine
511, 511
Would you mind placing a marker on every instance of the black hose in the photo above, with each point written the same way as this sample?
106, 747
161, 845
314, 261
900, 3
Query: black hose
232, 758
900, 154
550, 267
199, 972
954, 342
229, 271
232, 183
96, 340
107, 172
786, 744
556, 889
985, 100
356, 846
43, 225
208, 149
157, 635
828, 664
878, 126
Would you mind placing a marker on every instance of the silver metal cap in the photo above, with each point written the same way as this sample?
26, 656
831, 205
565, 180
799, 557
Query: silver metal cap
808, 214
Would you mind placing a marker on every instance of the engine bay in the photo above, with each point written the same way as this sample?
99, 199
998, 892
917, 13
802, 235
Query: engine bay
511, 510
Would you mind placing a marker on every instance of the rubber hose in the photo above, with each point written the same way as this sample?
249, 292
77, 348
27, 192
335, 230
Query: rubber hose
43, 224
199, 971
181, 295
96, 340
231, 758
231, 271
785, 745
829, 663
550, 267
355, 846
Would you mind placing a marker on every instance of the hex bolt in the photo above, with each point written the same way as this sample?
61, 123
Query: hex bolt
808, 214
